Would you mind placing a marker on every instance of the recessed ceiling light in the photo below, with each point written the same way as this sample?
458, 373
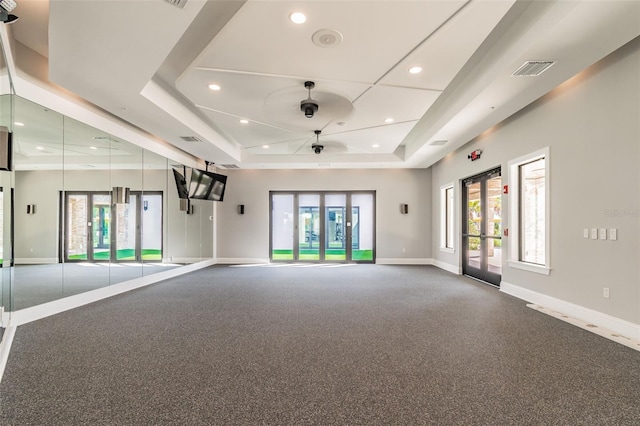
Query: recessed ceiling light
297, 18
265, 146
415, 70
388, 120
243, 121
375, 145
39, 148
17, 123
214, 87
93, 147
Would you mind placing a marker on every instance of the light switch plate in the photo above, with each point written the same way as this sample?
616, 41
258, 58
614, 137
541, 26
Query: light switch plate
585, 233
603, 233
594, 233
613, 234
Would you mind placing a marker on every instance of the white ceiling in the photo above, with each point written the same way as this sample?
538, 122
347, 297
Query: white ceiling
149, 63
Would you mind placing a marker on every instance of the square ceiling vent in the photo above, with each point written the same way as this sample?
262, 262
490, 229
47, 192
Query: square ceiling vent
177, 3
532, 68
191, 139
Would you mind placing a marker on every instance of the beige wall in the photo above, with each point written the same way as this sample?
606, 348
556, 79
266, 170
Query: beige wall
592, 126
398, 236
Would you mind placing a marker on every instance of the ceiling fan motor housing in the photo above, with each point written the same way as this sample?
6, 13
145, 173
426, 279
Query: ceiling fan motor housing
309, 106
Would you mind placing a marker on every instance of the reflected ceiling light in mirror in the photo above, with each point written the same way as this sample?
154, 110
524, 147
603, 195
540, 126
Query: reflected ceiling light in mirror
265, 146
17, 123
40, 148
415, 70
93, 147
388, 120
214, 87
375, 145
243, 121
297, 17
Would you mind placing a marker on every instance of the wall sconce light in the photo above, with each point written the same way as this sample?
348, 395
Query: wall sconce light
31, 209
186, 206
404, 208
240, 208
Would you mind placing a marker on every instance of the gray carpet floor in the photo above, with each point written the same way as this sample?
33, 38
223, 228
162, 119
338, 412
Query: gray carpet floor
353, 345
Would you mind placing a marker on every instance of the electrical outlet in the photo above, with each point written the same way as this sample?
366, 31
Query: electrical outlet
605, 292
585, 233
603, 233
613, 234
594, 233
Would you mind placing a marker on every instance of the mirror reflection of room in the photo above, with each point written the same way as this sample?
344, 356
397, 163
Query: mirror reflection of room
89, 209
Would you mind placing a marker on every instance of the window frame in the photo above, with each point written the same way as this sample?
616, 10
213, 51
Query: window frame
444, 218
515, 216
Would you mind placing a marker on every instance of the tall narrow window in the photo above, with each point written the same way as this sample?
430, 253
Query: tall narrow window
532, 211
449, 213
447, 217
529, 218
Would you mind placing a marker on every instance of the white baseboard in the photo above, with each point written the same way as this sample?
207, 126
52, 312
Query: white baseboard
240, 260
34, 313
448, 267
605, 325
35, 260
186, 260
379, 261
403, 261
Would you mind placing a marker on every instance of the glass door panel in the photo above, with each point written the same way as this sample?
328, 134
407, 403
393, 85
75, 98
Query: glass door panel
362, 227
335, 234
77, 227
125, 229
494, 225
151, 233
101, 227
482, 227
282, 219
474, 224
309, 227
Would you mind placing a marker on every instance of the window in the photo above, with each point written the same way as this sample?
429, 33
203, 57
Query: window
529, 217
447, 218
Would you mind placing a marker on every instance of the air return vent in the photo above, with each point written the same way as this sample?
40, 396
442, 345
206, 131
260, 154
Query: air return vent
532, 68
191, 139
229, 166
177, 3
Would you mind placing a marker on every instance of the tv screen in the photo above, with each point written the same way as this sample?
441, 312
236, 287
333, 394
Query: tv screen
181, 185
207, 185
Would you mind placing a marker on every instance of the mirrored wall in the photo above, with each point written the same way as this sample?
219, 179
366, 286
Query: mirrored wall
82, 209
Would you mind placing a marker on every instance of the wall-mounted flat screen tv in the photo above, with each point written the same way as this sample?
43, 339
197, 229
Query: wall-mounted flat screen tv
181, 185
207, 185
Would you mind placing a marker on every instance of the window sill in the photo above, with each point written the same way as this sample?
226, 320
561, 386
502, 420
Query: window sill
538, 269
447, 250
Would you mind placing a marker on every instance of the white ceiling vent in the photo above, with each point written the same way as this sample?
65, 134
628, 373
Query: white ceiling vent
191, 139
437, 143
532, 68
177, 3
229, 166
